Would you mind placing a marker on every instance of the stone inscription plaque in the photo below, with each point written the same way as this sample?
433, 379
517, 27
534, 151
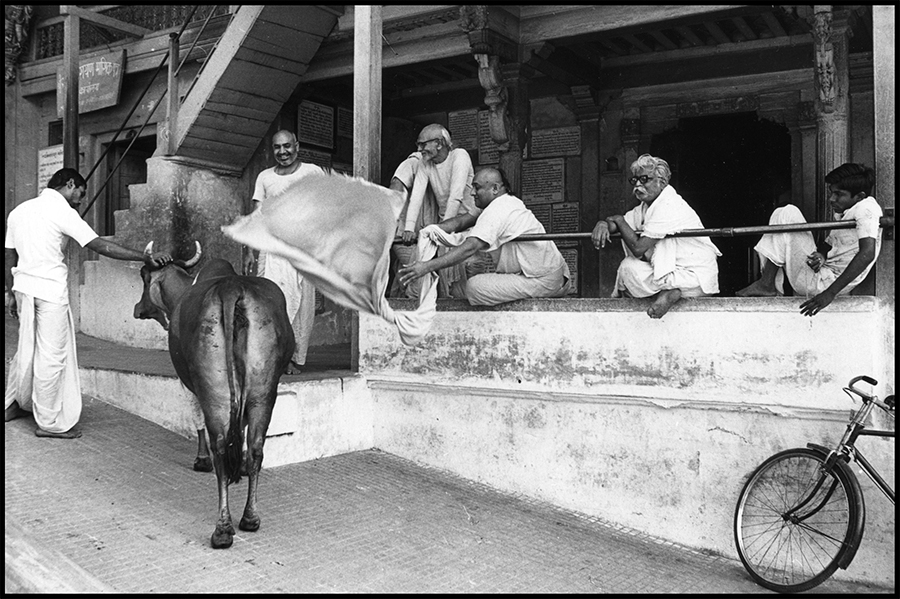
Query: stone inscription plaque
566, 217
571, 257
543, 212
463, 126
543, 181
488, 152
323, 159
315, 124
559, 141
345, 122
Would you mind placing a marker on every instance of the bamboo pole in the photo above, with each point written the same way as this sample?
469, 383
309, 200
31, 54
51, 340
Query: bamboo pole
886, 222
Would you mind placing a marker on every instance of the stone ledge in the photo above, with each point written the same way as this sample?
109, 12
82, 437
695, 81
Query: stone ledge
848, 303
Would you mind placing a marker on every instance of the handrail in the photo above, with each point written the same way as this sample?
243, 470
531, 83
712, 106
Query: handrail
162, 63
885, 222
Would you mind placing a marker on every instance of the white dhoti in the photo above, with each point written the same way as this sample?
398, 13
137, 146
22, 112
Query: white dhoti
638, 278
789, 251
490, 289
43, 375
300, 296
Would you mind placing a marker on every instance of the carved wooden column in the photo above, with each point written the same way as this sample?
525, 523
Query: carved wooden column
807, 189
505, 87
832, 83
588, 114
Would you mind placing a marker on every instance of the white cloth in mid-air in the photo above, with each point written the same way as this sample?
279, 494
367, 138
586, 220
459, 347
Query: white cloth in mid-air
337, 231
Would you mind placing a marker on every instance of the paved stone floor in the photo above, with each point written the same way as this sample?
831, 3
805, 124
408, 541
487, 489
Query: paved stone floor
123, 503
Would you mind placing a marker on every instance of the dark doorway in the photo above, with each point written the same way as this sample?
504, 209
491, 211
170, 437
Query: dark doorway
132, 170
725, 167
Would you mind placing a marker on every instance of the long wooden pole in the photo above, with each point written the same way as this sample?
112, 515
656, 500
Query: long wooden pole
71, 63
886, 222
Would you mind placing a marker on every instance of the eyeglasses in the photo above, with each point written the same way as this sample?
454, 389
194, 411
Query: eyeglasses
422, 144
643, 179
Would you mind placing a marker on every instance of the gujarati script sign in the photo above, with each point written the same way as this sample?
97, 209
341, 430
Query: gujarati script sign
99, 82
560, 141
463, 126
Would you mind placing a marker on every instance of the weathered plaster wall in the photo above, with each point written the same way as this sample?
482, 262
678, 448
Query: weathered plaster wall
758, 350
591, 405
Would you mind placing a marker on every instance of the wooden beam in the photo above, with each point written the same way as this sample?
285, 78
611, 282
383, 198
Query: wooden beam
745, 30
717, 32
71, 64
689, 35
773, 24
367, 92
634, 41
103, 20
664, 40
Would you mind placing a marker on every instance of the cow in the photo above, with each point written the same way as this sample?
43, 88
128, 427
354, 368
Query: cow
230, 340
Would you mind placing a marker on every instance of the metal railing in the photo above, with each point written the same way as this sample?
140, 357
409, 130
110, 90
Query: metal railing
885, 223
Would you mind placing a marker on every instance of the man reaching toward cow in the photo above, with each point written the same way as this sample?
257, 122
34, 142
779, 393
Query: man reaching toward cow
43, 375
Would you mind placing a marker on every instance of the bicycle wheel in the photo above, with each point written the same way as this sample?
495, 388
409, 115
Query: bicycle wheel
791, 531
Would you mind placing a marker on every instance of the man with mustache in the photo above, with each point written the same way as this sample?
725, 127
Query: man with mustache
664, 268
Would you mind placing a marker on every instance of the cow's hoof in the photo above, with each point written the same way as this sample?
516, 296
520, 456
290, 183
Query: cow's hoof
249, 524
203, 464
221, 539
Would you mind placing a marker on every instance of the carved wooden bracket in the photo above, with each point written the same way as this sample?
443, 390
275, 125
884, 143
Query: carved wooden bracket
475, 20
17, 20
824, 53
491, 79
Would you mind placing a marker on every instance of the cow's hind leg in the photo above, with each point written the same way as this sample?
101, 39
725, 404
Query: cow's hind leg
258, 423
224, 533
203, 463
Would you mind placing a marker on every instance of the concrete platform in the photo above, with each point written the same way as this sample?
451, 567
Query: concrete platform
123, 505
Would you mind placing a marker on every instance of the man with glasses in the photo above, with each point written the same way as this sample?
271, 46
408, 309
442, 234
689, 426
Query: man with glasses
448, 172
657, 266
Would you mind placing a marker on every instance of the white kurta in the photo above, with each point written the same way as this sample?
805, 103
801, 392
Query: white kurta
43, 375
299, 293
685, 263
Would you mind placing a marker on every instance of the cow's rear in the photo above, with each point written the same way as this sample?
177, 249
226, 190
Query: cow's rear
235, 340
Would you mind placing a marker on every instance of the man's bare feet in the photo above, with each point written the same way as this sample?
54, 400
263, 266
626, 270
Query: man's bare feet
756, 289
69, 434
13, 412
293, 368
664, 300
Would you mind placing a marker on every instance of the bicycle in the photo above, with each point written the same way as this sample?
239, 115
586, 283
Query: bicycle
801, 514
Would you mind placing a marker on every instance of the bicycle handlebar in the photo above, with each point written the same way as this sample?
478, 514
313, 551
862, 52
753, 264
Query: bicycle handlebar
887, 405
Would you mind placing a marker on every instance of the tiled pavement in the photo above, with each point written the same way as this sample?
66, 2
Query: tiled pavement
123, 503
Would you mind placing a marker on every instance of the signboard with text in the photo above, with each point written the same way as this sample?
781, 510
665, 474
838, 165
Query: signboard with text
50, 160
99, 82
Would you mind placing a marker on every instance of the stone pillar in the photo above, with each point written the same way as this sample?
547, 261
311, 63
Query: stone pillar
588, 114
885, 166
516, 120
832, 83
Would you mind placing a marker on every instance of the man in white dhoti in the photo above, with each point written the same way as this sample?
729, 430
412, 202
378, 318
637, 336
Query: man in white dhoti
448, 173
43, 375
524, 269
665, 268
299, 293
846, 256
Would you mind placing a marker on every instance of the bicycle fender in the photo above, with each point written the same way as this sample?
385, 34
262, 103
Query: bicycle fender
856, 534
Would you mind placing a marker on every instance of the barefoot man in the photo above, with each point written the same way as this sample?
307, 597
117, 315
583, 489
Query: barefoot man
664, 268
43, 376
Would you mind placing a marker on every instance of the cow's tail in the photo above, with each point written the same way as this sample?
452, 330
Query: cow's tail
234, 320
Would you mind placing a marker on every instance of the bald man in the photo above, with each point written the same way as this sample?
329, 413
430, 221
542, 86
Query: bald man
448, 173
298, 292
524, 269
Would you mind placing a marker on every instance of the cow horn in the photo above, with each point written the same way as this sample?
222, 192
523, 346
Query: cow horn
193, 260
149, 249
